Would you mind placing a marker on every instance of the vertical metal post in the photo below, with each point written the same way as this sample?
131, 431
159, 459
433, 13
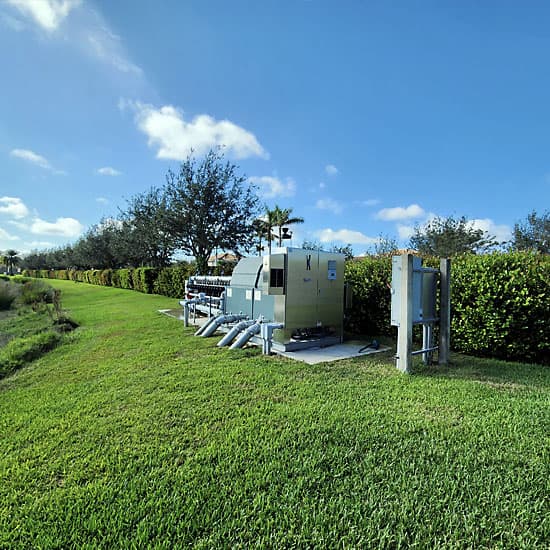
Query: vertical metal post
445, 311
427, 342
185, 314
404, 333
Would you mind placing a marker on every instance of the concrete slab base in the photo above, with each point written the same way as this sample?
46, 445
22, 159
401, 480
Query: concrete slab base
311, 356
347, 350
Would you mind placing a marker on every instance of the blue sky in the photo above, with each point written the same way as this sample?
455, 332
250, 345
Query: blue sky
365, 117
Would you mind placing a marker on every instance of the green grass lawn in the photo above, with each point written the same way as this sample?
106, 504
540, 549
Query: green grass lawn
134, 433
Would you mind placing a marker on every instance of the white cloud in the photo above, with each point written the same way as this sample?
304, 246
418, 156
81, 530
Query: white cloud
32, 157
405, 231
344, 236
108, 171
5, 236
20, 225
14, 207
48, 14
500, 232
64, 227
331, 170
329, 204
99, 42
102, 200
370, 202
86, 30
174, 137
400, 213
271, 187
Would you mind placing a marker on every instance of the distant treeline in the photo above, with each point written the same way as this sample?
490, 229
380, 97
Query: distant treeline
500, 302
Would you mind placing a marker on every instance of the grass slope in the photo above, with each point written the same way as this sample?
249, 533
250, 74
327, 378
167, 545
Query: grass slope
135, 433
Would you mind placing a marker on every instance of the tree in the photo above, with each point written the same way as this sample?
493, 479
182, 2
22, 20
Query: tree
533, 233
282, 217
146, 236
385, 245
11, 259
268, 221
100, 247
210, 207
447, 237
262, 232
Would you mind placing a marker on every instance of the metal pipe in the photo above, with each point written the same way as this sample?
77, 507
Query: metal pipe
422, 351
185, 304
246, 335
228, 338
267, 335
200, 330
218, 321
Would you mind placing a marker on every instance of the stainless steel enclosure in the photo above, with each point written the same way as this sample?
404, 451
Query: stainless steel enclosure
303, 289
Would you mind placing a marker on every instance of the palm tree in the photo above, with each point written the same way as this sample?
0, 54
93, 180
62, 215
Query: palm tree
282, 218
264, 227
261, 231
11, 259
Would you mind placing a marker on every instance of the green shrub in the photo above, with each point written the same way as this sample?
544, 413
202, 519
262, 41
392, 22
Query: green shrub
500, 306
143, 279
19, 351
369, 279
8, 293
105, 277
125, 278
170, 281
35, 292
136, 279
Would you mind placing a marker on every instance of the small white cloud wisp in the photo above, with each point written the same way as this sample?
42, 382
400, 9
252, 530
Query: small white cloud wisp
400, 213
329, 204
5, 236
108, 171
271, 187
31, 157
331, 170
344, 236
13, 207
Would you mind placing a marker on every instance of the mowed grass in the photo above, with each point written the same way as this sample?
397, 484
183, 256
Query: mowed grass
134, 433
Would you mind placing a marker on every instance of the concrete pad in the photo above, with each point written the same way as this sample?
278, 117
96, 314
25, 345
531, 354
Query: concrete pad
311, 356
349, 349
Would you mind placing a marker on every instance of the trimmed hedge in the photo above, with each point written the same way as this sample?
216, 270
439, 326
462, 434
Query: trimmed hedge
370, 313
500, 306
500, 302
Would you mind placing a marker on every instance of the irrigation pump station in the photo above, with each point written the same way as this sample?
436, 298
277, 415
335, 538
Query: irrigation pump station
288, 300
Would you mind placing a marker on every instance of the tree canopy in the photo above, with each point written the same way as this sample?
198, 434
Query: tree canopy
282, 217
146, 234
533, 233
210, 207
10, 259
450, 236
